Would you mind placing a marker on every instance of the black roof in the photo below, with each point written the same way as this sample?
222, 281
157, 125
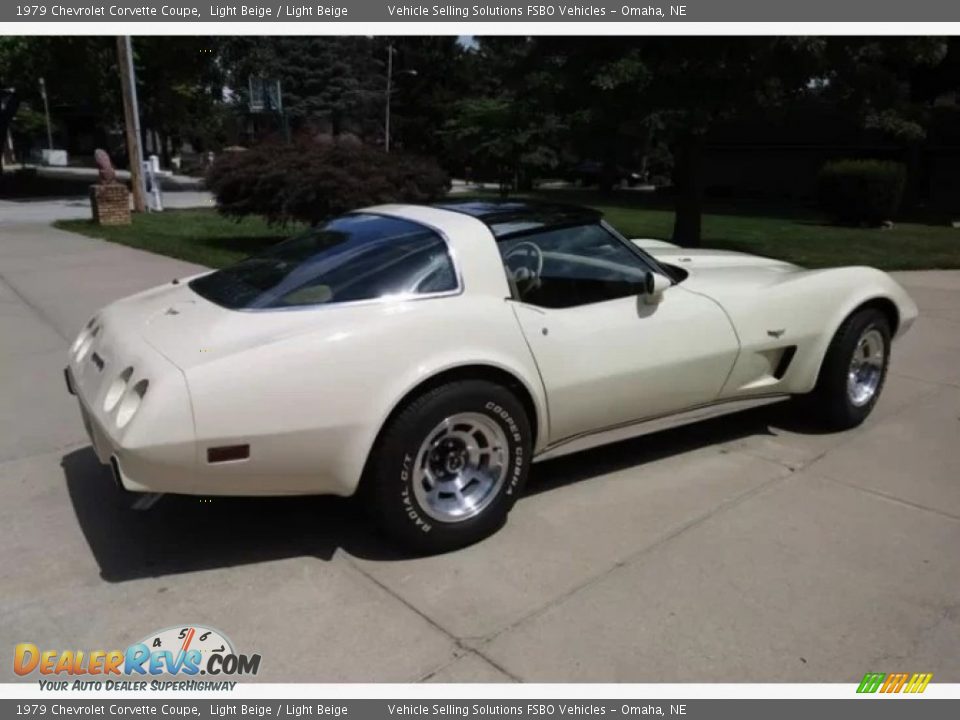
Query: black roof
507, 218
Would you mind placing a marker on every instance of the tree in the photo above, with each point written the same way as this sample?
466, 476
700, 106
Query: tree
311, 181
429, 78
333, 84
9, 102
873, 79
509, 125
80, 75
600, 86
699, 82
892, 86
181, 92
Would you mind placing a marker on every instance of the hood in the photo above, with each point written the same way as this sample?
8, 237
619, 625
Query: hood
722, 271
189, 330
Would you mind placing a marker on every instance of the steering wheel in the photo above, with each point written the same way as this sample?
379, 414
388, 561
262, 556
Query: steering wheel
524, 262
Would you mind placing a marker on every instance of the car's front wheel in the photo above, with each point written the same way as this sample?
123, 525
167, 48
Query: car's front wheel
853, 371
450, 465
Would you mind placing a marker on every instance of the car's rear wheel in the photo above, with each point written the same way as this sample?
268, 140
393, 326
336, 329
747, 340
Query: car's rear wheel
853, 371
450, 465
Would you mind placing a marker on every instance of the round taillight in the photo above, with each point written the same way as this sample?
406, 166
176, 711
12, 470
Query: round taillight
131, 402
116, 390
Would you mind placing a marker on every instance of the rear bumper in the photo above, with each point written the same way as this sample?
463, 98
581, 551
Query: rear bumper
104, 447
135, 407
155, 449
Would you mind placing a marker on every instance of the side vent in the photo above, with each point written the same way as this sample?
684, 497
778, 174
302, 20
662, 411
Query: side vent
227, 453
785, 359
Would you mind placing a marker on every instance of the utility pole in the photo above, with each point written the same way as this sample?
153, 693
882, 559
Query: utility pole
46, 112
131, 115
386, 124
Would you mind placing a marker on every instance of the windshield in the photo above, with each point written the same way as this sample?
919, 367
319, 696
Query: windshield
354, 257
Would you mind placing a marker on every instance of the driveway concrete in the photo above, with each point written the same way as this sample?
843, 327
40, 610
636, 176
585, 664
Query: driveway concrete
749, 548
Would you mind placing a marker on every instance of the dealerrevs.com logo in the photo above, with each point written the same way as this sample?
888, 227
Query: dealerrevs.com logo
189, 650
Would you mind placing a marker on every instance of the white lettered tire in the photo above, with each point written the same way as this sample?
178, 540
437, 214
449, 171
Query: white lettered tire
853, 372
449, 466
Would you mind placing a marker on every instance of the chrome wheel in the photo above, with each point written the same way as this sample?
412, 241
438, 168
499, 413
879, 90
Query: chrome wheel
866, 367
460, 467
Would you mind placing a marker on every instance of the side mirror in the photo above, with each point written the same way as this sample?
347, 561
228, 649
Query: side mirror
654, 286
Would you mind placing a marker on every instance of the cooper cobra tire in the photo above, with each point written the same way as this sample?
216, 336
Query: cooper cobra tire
853, 372
449, 467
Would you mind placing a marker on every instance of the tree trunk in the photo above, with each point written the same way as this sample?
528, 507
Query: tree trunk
913, 192
607, 179
165, 153
7, 110
688, 181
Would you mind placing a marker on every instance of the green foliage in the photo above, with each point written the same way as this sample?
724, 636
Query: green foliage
876, 81
510, 128
313, 181
336, 83
180, 86
501, 138
861, 192
181, 92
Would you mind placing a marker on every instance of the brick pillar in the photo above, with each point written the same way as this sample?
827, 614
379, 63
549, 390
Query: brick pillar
110, 204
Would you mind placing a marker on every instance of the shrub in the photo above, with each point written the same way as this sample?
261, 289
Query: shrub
311, 181
861, 191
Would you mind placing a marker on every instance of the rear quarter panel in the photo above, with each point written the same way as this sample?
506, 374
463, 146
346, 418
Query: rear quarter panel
311, 405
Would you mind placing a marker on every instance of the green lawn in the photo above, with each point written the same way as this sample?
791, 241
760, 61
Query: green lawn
202, 236
807, 242
199, 236
794, 234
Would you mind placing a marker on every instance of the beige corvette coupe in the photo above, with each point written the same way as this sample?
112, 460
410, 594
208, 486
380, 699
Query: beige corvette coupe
425, 356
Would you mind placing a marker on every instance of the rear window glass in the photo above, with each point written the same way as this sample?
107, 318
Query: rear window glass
354, 257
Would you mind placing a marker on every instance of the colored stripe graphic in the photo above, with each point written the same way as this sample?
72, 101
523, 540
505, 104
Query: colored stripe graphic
894, 682
918, 683
871, 682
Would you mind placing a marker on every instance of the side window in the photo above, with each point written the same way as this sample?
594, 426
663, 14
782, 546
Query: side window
572, 266
355, 257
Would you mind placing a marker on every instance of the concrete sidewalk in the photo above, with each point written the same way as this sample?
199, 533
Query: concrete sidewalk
45, 210
743, 549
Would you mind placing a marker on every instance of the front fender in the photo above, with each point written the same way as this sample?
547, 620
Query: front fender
803, 309
852, 288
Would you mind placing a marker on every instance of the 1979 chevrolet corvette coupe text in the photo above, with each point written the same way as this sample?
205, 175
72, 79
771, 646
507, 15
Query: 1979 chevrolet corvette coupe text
424, 356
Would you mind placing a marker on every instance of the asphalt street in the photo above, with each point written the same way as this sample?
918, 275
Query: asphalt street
748, 548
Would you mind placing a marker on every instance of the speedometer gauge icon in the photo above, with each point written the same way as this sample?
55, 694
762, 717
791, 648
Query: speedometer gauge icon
184, 638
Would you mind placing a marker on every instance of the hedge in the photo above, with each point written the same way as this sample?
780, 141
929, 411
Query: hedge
861, 192
311, 181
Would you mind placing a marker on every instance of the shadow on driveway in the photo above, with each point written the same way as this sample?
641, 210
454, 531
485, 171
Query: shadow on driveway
183, 534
